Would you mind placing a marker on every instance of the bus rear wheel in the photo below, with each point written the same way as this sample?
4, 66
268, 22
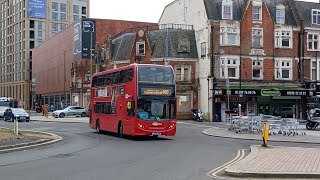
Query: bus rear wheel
98, 127
120, 129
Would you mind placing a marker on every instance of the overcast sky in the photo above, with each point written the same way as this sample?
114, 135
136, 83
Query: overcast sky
132, 10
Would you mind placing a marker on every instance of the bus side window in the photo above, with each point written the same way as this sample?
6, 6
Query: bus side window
123, 74
94, 81
130, 108
129, 75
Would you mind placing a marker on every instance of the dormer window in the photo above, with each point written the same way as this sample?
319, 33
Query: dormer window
280, 14
315, 16
227, 9
140, 48
256, 13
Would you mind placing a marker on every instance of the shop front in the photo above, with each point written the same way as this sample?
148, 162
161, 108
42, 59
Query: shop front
272, 101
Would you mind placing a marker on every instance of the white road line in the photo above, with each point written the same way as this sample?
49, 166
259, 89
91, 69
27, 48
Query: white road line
200, 125
213, 173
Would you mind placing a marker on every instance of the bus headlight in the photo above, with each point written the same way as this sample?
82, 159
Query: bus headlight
140, 126
171, 126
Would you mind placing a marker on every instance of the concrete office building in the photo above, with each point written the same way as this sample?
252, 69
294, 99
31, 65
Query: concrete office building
24, 24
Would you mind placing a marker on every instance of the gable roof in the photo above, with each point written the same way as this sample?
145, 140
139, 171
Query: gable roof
122, 46
304, 11
214, 9
163, 43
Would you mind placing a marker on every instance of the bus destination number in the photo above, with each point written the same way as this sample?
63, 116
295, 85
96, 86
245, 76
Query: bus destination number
156, 92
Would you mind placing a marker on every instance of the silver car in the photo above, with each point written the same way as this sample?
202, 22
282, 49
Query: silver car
70, 111
2, 110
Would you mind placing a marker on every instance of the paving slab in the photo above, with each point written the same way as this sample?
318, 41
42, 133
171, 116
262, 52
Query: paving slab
278, 162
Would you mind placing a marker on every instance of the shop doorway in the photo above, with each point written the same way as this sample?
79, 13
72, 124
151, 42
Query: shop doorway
264, 109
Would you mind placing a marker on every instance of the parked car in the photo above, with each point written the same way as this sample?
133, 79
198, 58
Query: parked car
19, 114
71, 111
2, 110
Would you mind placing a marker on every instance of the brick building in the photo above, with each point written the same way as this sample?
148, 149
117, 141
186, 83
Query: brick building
172, 44
61, 65
258, 54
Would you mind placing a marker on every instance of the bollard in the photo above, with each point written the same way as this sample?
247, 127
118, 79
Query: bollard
15, 127
265, 133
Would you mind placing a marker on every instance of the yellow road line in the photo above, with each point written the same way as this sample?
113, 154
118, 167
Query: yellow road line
213, 173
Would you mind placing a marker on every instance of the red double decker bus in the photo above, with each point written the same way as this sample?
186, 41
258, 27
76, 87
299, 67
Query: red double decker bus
135, 100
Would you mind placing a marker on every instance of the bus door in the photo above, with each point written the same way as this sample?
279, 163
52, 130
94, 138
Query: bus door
130, 107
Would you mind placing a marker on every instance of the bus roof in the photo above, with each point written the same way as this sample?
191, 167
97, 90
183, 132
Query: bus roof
127, 67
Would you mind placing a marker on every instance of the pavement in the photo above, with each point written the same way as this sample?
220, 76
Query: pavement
273, 161
72, 119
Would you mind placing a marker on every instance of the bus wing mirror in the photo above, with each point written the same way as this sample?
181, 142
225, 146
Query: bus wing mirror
129, 105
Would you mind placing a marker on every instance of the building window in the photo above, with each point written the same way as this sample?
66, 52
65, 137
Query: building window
228, 36
183, 73
75, 17
39, 35
257, 69
63, 17
229, 68
140, 48
63, 26
314, 70
203, 49
256, 13
84, 10
313, 40
257, 38
54, 16
55, 6
227, 9
87, 77
315, 16
283, 69
54, 26
283, 39
39, 25
280, 16
75, 9
63, 7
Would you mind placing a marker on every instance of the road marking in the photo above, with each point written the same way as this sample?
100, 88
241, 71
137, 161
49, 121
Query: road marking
200, 125
213, 173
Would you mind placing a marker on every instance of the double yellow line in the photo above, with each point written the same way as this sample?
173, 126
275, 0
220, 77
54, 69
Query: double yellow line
213, 173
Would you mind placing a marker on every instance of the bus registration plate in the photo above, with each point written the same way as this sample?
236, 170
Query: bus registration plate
156, 134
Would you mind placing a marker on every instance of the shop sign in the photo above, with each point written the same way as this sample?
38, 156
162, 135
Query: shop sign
239, 99
246, 92
296, 93
270, 92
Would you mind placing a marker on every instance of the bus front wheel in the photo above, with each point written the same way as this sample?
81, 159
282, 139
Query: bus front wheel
98, 127
120, 129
